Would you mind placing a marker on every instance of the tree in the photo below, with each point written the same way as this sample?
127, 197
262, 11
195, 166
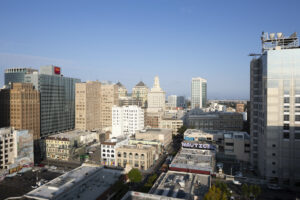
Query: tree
219, 191
182, 129
215, 193
135, 175
246, 190
255, 190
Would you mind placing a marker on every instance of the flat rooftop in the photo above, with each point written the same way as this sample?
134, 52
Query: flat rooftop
194, 159
132, 195
84, 182
155, 131
181, 185
70, 134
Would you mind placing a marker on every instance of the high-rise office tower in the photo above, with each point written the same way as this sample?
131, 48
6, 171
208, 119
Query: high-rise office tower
140, 92
25, 108
109, 98
198, 93
88, 105
57, 99
172, 101
275, 109
181, 102
156, 97
4, 107
16, 75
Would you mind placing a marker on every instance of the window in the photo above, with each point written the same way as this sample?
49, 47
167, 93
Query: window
273, 163
273, 154
273, 145
286, 126
286, 118
297, 99
286, 99
286, 135
274, 172
229, 144
297, 118
297, 136
119, 154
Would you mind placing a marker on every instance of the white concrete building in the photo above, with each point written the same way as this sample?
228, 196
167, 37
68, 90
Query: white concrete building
126, 120
198, 93
108, 150
156, 97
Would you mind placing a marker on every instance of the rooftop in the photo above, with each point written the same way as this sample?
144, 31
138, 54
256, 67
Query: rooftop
70, 134
84, 182
155, 131
181, 185
132, 195
226, 134
141, 83
194, 159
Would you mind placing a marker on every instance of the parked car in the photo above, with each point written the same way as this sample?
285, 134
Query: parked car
273, 187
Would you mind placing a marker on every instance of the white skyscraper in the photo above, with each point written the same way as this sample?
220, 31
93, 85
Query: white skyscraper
156, 97
172, 101
198, 93
126, 120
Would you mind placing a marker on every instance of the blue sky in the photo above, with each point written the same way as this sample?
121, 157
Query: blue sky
129, 41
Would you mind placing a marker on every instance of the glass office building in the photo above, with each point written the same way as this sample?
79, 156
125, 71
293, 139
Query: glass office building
198, 93
275, 111
16, 75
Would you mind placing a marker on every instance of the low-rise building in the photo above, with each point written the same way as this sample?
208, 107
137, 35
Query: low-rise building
231, 144
215, 120
108, 150
174, 186
137, 156
85, 182
69, 145
174, 124
196, 158
152, 119
155, 143
162, 135
16, 149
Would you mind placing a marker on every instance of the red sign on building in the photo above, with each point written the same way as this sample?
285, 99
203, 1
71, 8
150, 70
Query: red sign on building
56, 70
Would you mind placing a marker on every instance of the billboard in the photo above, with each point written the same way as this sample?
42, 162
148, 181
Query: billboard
194, 145
57, 70
24, 148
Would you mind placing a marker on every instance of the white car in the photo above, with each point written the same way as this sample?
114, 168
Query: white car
274, 187
235, 182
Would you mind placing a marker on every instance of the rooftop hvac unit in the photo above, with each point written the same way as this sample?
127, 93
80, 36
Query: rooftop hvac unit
272, 36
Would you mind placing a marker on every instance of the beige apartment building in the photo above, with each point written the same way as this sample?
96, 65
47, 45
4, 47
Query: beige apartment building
109, 98
173, 124
140, 92
122, 91
25, 108
88, 105
137, 156
153, 119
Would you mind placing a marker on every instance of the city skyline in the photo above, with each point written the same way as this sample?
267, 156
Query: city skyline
134, 41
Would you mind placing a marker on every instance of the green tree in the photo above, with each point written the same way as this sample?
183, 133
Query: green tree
182, 129
215, 193
135, 175
255, 190
246, 190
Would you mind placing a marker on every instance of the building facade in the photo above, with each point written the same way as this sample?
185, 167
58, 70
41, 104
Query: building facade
57, 99
108, 150
25, 108
172, 101
69, 146
16, 149
215, 120
5, 107
122, 91
162, 135
275, 113
109, 98
16, 75
156, 97
198, 93
137, 156
88, 105
140, 92
173, 124
126, 120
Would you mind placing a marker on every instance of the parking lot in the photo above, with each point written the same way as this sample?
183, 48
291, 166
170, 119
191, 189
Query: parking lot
21, 184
